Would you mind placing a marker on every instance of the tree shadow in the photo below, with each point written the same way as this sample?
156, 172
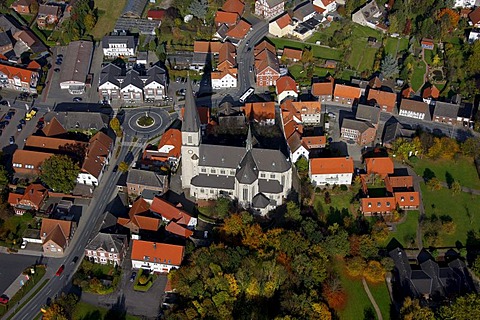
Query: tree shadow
118, 311
428, 174
92, 315
368, 314
449, 179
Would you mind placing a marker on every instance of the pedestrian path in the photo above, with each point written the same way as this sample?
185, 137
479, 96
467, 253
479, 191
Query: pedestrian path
16, 285
372, 300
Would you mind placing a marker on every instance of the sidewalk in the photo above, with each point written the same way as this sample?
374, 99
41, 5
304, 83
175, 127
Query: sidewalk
16, 285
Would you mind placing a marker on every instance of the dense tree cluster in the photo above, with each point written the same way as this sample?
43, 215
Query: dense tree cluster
60, 172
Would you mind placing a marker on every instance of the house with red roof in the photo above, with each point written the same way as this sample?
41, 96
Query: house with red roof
346, 94
323, 90
430, 94
170, 212
169, 148
19, 79
22, 6
239, 30
225, 78
286, 87
427, 44
474, 17
325, 6
98, 153
382, 166
261, 112
236, 6
156, 14
178, 230
281, 26
140, 217
56, 236
227, 18
267, 68
31, 199
331, 171
292, 54
156, 257
385, 100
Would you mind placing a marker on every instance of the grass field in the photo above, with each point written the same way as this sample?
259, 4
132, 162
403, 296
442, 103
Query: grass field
463, 170
323, 34
298, 72
109, 11
417, 76
87, 311
405, 231
463, 208
382, 298
357, 301
334, 211
362, 55
318, 51
392, 43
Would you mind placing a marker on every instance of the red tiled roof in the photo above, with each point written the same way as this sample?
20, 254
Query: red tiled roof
262, 46
236, 6
286, 83
23, 74
229, 18
407, 199
408, 92
98, 150
33, 65
140, 216
240, 30
177, 229
283, 21
156, 14
27, 157
50, 143
54, 128
382, 98
383, 204
431, 92
291, 127
171, 143
323, 88
382, 166
345, 91
427, 41
207, 46
400, 181
157, 252
331, 165
57, 231
290, 53
227, 53
34, 193
314, 141
259, 110
169, 212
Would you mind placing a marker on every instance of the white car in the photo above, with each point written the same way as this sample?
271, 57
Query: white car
24, 245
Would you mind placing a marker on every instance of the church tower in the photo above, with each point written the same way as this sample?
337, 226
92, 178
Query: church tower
191, 138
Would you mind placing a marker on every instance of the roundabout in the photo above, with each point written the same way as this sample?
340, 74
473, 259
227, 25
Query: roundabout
145, 121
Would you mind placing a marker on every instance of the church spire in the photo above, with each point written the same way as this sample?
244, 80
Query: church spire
191, 119
249, 142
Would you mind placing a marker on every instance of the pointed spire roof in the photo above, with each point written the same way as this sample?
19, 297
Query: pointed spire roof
249, 142
191, 119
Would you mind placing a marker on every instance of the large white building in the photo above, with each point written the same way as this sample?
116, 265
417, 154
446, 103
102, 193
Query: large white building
331, 171
156, 257
118, 46
259, 178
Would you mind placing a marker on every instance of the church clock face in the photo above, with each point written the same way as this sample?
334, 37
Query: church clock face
190, 151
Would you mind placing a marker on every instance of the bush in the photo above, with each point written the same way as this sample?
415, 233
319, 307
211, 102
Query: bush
327, 198
343, 187
143, 279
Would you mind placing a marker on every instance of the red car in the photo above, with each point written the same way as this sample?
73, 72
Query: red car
4, 299
60, 270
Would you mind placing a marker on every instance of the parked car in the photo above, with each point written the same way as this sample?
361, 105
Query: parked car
75, 259
12, 140
115, 169
59, 55
24, 245
60, 270
4, 299
56, 69
22, 121
77, 99
1, 132
19, 127
133, 276
4, 103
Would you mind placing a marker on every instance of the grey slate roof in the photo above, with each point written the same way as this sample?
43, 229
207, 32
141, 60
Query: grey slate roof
76, 64
134, 8
368, 113
269, 186
146, 178
128, 40
4, 39
273, 3
219, 182
110, 73
7, 23
271, 160
260, 201
358, 125
396, 130
303, 10
447, 110
132, 77
79, 120
220, 156
247, 171
157, 74
191, 119
107, 242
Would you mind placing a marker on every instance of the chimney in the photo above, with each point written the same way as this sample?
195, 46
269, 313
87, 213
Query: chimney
154, 245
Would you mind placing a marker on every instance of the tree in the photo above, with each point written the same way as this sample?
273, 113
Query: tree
123, 167
389, 66
302, 165
89, 22
374, 272
59, 172
3, 177
307, 56
355, 266
411, 310
115, 125
293, 212
222, 207
471, 147
143, 279
456, 187
55, 312
198, 8
464, 307
434, 184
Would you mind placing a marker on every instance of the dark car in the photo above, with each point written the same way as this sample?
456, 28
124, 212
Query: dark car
22, 121
4, 299
77, 99
8, 117
2, 125
60, 270
58, 62
1, 132
115, 169
4, 103
59, 55
12, 140
75, 259
133, 276
56, 69
19, 127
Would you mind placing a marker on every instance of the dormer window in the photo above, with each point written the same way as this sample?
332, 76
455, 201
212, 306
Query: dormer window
379, 204
411, 198
402, 199
369, 204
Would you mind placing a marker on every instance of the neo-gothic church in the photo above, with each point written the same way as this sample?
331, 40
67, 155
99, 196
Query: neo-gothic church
259, 179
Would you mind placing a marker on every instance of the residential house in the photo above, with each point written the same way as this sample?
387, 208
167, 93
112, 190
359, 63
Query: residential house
281, 26
31, 199
304, 30
75, 120
267, 68
381, 166
325, 6
203, 53
445, 112
286, 87
292, 54
118, 46
368, 113
226, 78
98, 153
377, 205
156, 257
18, 79
56, 235
414, 109
346, 94
236, 6
385, 100
430, 94
139, 180
362, 132
239, 31
76, 66
178, 230
26, 40
330, 64
464, 3
409, 200
156, 14
168, 150
172, 213
27, 162
22, 6
140, 218
268, 9
370, 15
323, 90
137, 25
48, 16
300, 146
304, 11
408, 92
475, 18
465, 115
331, 171
107, 248
261, 112
6, 43
227, 18
307, 112
427, 44
259, 178
474, 35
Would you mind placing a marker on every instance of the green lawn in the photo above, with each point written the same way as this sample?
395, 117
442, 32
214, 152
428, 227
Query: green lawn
318, 51
109, 11
298, 73
382, 298
362, 55
429, 54
463, 170
417, 76
407, 230
362, 31
357, 301
87, 311
324, 34
334, 211
392, 43
347, 75
463, 208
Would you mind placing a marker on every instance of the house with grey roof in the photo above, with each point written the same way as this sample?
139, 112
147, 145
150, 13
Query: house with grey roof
6, 43
107, 248
79, 120
368, 113
445, 112
134, 9
75, 67
269, 8
304, 11
258, 178
394, 131
140, 180
371, 15
118, 46
415, 109
360, 131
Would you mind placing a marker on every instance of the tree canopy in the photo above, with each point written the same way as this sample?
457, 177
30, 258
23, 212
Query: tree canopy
59, 172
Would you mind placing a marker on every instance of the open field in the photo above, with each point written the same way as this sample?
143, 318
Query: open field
339, 206
362, 56
109, 11
462, 170
382, 298
463, 208
417, 76
87, 311
406, 231
318, 51
395, 45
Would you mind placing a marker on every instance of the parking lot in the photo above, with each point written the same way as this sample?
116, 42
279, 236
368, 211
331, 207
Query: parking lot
11, 265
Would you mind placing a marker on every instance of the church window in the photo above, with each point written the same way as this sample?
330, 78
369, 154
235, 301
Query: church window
190, 139
245, 194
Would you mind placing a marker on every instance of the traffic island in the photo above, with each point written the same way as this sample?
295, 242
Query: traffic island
145, 121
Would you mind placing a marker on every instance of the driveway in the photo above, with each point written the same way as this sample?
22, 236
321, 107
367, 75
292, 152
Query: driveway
11, 265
